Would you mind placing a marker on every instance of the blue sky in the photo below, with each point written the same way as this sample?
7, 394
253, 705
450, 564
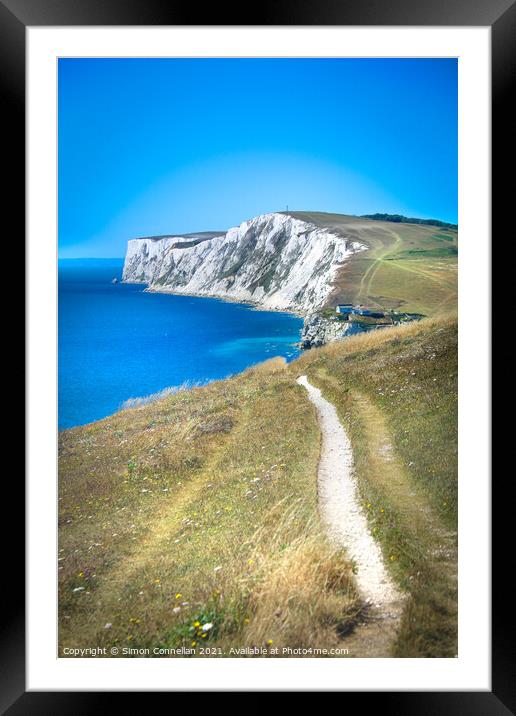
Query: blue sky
155, 146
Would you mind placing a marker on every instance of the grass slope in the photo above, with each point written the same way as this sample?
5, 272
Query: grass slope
202, 507
406, 267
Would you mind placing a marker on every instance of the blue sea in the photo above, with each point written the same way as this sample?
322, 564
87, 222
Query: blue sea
117, 342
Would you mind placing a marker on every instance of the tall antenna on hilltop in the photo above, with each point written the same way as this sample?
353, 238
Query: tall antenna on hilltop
287, 208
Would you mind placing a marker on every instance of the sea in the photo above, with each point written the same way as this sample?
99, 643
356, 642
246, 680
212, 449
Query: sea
117, 342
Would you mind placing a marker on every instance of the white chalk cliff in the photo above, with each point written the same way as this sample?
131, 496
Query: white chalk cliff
275, 260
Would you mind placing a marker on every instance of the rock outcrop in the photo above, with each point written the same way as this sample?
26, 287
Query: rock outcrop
318, 330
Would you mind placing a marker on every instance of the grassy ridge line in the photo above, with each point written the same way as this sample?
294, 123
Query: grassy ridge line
396, 392
200, 509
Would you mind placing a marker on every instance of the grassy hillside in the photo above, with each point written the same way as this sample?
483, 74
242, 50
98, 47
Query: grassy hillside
201, 508
407, 267
396, 393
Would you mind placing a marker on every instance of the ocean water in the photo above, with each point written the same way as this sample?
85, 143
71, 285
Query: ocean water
117, 342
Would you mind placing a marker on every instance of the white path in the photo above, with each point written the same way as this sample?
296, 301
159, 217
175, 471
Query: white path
341, 511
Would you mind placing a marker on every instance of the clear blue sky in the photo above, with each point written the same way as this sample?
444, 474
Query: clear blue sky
154, 146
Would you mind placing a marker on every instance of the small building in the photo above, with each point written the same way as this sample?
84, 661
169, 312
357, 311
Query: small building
344, 308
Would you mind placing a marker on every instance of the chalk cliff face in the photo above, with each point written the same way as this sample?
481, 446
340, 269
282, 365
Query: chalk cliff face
274, 260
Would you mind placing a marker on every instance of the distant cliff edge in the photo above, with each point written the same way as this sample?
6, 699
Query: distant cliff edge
274, 260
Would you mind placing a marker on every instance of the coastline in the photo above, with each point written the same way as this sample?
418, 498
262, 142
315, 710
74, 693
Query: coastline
254, 305
315, 332
317, 329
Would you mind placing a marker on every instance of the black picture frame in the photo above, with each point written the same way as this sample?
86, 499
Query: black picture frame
15, 17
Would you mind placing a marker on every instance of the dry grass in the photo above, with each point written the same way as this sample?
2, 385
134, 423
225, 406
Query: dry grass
307, 594
372, 340
200, 508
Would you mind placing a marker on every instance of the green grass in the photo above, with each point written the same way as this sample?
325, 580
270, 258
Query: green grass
445, 236
405, 267
440, 252
386, 320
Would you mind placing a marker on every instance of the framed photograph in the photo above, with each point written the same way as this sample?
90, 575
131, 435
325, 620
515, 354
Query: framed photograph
258, 258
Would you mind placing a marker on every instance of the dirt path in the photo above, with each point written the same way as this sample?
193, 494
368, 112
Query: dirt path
347, 525
373, 268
